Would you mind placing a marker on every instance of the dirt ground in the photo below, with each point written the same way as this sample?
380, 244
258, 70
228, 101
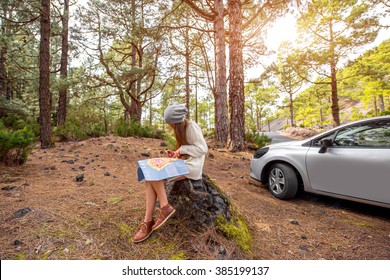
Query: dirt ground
46, 214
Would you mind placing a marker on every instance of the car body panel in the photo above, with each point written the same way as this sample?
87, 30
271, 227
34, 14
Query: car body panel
342, 172
292, 152
350, 172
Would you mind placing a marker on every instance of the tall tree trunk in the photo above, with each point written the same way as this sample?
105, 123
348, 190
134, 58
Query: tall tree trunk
135, 110
63, 92
291, 109
381, 102
44, 76
3, 72
335, 99
259, 124
196, 94
375, 107
333, 80
187, 59
220, 94
236, 73
3, 53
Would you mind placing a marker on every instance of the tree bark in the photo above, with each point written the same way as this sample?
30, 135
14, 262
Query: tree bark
3, 56
3, 72
335, 99
63, 92
135, 110
187, 60
220, 94
381, 102
291, 105
44, 76
236, 73
333, 80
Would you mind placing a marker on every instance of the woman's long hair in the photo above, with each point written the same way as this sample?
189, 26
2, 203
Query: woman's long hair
181, 133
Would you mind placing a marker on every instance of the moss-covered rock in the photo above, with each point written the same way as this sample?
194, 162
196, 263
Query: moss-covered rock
201, 205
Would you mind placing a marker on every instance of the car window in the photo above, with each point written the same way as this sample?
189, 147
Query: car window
373, 134
318, 142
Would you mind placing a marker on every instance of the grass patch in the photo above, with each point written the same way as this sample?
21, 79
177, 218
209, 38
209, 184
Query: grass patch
20, 256
125, 230
178, 256
114, 200
356, 223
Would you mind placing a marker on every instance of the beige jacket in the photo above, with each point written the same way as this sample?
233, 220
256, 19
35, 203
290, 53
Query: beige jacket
197, 150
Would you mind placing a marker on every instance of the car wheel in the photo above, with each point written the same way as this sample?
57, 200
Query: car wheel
282, 181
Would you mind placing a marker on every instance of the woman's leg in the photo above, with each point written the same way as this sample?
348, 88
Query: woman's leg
150, 201
159, 189
146, 228
166, 210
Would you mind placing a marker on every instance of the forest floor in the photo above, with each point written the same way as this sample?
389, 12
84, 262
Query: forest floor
46, 214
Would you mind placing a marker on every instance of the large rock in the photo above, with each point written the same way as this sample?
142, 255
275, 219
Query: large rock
197, 203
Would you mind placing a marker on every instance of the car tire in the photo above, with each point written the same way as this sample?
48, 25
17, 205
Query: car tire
282, 181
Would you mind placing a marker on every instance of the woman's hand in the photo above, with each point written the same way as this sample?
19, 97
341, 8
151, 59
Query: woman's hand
176, 154
169, 153
173, 154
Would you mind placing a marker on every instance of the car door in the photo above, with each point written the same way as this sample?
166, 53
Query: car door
356, 165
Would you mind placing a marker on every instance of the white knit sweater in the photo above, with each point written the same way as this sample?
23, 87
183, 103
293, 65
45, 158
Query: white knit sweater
197, 150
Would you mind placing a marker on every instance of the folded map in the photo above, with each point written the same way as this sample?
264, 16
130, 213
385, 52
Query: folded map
155, 169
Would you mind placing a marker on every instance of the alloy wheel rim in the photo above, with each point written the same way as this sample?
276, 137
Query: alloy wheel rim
277, 180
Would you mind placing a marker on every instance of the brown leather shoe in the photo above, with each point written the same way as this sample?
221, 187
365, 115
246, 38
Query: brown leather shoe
144, 230
164, 214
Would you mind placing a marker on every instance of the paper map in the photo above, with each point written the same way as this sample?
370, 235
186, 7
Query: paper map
155, 169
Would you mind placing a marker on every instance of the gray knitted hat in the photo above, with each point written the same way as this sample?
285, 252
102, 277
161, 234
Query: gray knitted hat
175, 113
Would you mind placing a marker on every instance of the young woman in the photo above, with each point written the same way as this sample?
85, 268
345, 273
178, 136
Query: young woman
191, 146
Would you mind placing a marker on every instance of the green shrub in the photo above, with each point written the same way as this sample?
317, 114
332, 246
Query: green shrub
95, 130
75, 130
260, 140
125, 128
15, 145
12, 121
71, 131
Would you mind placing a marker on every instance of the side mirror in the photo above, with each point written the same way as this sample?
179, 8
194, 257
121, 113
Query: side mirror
325, 144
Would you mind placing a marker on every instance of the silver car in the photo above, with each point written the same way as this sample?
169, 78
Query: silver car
351, 161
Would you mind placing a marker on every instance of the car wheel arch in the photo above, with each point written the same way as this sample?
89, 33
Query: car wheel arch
265, 171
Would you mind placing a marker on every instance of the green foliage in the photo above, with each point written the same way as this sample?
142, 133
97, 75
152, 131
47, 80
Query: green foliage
71, 131
178, 256
385, 113
13, 106
260, 140
236, 230
74, 130
13, 122
95, 130
15, 144
363, 84
125, 128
